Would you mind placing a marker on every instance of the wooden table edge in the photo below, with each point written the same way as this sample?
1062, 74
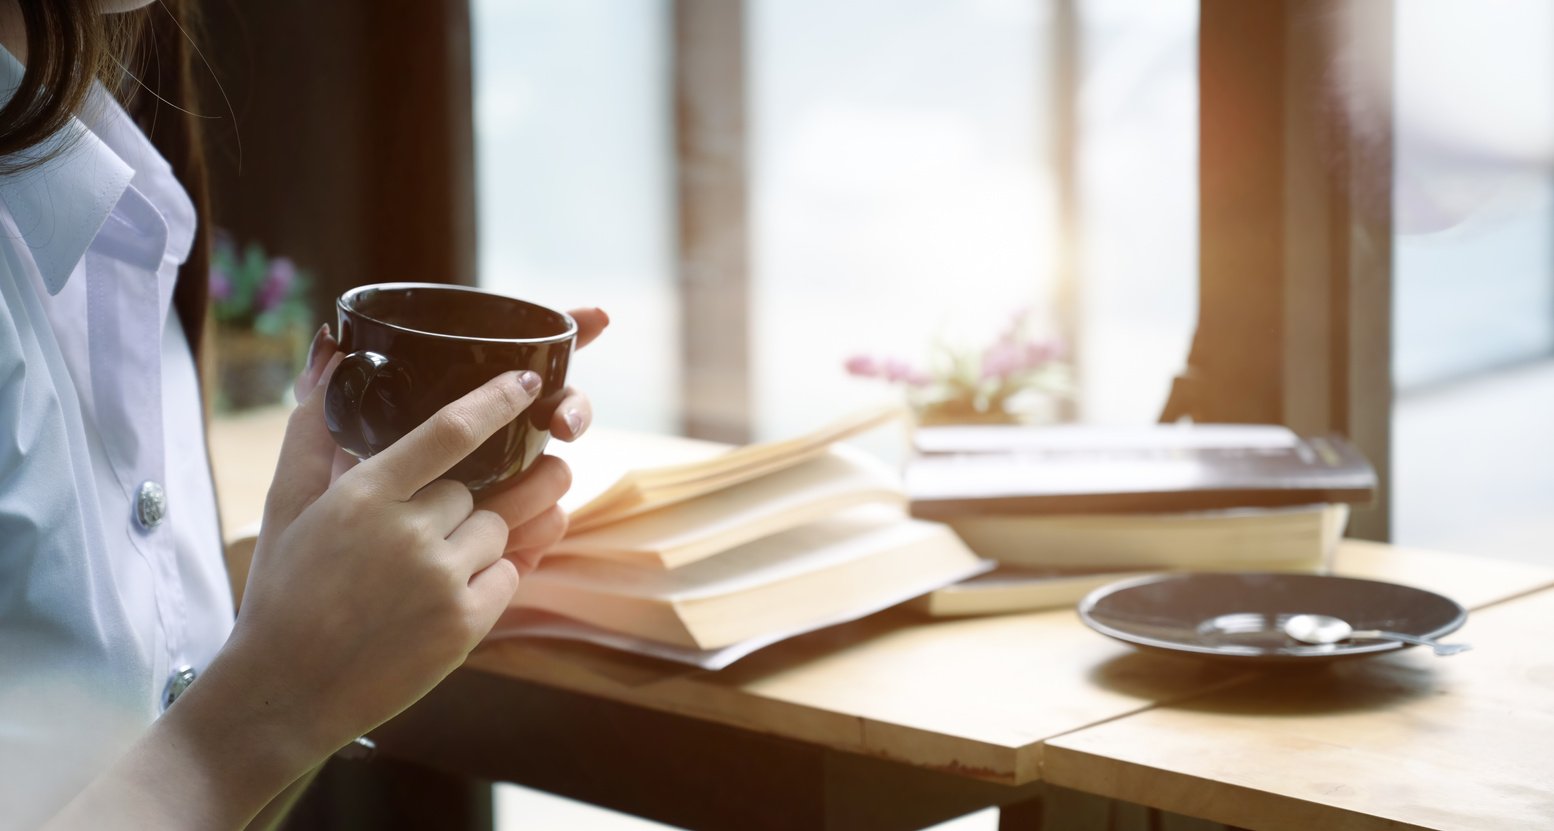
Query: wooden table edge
1012, 766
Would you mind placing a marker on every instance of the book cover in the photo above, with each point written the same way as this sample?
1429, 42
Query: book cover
963, 471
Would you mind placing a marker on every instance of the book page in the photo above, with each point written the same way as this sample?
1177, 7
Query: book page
735, 515
537, 624
603, 457
853, 534
1081, 437
627, 473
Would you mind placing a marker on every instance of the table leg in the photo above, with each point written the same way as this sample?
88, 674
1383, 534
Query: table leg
863, 793
1063, 809
1029, 815
389, 795
680, 770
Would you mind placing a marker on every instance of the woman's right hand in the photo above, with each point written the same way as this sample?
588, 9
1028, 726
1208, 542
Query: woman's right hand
364, 593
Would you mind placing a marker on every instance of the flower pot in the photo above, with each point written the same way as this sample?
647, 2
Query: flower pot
253, 370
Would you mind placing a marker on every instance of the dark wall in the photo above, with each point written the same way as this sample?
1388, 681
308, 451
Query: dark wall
353, 148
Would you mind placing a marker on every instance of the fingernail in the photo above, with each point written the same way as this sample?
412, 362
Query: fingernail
574, 421
530, 381
603, 314
334, 360
319, 339
308, 378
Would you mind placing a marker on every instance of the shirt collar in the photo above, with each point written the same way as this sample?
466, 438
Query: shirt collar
60, 204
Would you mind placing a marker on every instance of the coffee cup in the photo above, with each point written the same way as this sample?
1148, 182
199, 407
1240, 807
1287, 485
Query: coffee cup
413, 348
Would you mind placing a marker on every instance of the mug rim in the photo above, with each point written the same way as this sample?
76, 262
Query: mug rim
346, 305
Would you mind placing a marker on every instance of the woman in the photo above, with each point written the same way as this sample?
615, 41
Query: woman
128, 695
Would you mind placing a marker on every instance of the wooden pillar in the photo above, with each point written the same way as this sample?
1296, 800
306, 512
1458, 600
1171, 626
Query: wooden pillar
714, 250
1295, 231
1065, 135
352, 150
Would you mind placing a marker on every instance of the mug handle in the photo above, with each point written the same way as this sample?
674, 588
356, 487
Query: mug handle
348, 389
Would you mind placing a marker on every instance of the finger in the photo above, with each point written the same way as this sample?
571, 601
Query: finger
590, 323
540, 533
478, 541
527, 560
322, 348
302, 471
572, 418
538, 489
455, 431
343, 462
491, 592
447, 504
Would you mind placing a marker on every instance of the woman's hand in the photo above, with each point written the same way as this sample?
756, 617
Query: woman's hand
366, 592
529, 507
363, 594
537, 523
372, 581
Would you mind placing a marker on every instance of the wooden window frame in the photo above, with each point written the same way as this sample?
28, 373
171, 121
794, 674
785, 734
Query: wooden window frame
1295, 231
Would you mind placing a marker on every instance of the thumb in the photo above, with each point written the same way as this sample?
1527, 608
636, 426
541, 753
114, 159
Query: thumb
307, 455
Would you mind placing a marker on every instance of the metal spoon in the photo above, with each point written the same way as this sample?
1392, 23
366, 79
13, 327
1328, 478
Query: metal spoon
1325, 629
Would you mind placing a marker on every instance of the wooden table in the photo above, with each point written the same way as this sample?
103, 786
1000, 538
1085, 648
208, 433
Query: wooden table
1400, 741
897, 721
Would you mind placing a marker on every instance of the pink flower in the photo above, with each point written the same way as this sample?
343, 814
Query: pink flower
1040, 353
1016, 323
862, 366
895, 369
220, 284
1002, 360
277, 283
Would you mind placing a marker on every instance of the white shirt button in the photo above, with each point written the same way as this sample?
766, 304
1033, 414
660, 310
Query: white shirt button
150, 505
179, 681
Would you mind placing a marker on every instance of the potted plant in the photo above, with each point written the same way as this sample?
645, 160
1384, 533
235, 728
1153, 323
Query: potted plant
1014, 379
262, 320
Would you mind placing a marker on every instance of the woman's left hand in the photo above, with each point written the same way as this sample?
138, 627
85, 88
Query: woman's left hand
534, 521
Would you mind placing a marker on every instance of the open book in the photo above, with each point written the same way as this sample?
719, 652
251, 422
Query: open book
813, 572
619, 475
699, 552
699, 527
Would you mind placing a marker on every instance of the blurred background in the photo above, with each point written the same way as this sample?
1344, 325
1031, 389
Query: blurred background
759, 190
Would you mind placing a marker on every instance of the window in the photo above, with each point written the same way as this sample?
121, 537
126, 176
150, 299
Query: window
1474, 277
573, 183
902, 186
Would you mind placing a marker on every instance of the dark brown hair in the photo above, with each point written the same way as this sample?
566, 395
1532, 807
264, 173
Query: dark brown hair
145, 57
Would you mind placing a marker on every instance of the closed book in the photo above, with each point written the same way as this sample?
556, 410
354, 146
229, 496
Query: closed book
1016, 589
1076, 469
818, 571
1293, 538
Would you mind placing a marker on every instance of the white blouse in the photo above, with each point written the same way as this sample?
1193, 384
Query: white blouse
111, 575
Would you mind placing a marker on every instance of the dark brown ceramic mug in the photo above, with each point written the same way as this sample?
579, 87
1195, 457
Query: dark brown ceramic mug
416, 347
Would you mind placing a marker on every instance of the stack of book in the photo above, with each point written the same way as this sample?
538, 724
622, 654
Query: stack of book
701, 553
1067, 509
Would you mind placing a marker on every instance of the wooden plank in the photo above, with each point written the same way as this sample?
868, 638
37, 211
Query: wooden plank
1406, 740
974, 697
714, 257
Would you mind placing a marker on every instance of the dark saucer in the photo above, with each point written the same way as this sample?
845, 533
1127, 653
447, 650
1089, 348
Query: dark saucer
1238, 616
